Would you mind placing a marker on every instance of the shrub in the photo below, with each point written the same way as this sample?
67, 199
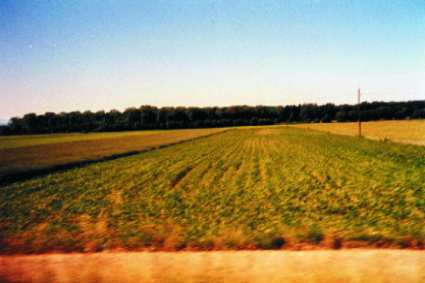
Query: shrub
277, 243
314, 234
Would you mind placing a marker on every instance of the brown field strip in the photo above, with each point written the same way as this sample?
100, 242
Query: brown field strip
406, 131
243, 266
31, 140
27, 160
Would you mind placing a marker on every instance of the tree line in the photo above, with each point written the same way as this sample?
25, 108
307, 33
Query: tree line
149, 117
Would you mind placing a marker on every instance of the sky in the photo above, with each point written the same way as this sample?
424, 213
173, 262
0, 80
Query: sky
63, 56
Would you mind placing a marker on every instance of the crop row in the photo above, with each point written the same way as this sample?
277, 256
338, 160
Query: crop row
253, 188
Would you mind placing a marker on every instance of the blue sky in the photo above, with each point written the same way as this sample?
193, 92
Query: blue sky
101, 55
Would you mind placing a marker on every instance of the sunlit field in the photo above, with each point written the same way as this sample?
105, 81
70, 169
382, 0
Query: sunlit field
31, 140
407, 131
264, 188
26, 156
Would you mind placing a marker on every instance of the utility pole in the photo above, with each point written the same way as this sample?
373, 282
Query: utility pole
360, 123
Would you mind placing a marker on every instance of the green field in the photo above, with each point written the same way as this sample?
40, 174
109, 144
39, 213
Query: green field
22, 157
261, 188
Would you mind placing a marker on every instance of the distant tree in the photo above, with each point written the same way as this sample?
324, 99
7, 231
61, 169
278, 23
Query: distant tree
5, 131
240, 122
225, 123
329, 111
16, 125
341, 116
113, 120
163, 115
179, 115
265, 122
326, 119
221, 113
149, 115
284, 113
199, 124
384, 112
75, 121
233, 113
419, 114
353, 116
130, 117
100, 116
308, 112
261, 112
254, 121
30, 122
196, 114
212, 113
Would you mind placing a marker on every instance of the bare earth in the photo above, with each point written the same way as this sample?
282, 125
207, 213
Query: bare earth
228, 266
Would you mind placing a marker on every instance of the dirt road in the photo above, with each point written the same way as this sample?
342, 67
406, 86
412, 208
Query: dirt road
241, 266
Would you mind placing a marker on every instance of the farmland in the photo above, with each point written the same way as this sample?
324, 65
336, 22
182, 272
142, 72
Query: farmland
26, 156
348, 266
31, 140
258, 188
412, 132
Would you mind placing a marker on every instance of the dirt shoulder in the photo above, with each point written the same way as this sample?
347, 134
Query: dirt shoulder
225, 266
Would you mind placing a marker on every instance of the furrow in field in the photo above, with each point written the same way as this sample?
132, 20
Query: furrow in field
163, 202
344, 180
203, 167
286, 155
217, 195
216, 164
192, 187
240, 178
308, 160
154, 166
271, 167
249, 198
269, 198
231, 165
261, 159
240, 164
139, 173
297, 189
254, 172
335, 167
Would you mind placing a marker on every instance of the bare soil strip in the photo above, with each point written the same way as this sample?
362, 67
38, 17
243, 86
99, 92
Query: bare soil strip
242, 266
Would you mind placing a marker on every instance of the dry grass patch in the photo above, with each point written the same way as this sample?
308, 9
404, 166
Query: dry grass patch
406, 131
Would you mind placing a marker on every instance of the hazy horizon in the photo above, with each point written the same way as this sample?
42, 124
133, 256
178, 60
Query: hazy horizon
95, 55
